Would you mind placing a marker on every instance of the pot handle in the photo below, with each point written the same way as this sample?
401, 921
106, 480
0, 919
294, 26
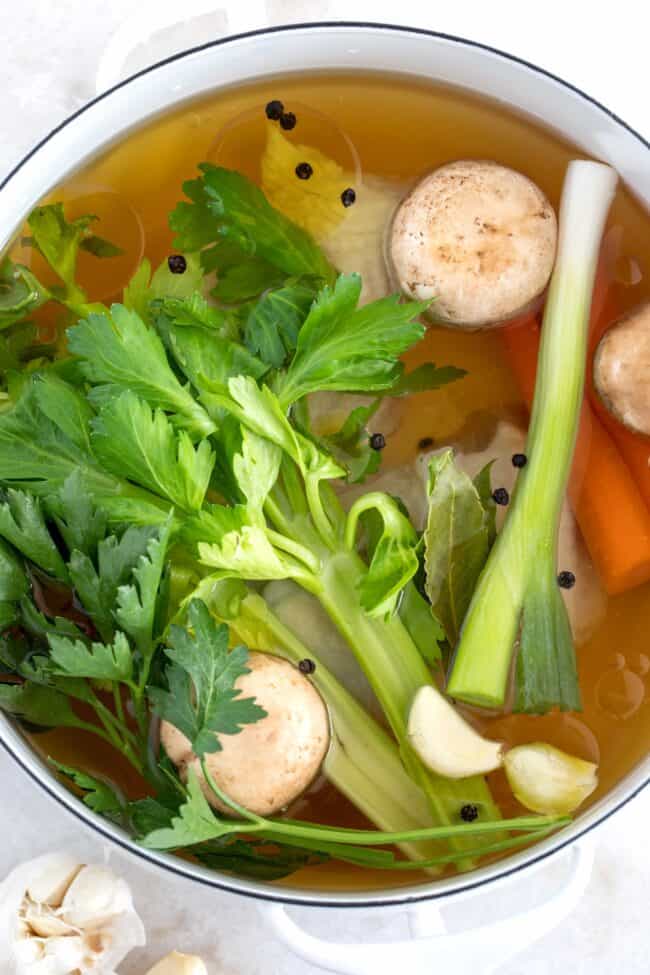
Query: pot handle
430, 946
164, 27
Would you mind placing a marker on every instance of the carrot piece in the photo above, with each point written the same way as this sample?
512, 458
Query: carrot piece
611, 512
633, 447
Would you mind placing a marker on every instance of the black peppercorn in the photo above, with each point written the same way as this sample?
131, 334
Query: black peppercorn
274, 110
566, 580
288, 121
469, 813
377, 441
306, 666
500, 496
348, 197
304, 170
177, 263
425, 443
519, 460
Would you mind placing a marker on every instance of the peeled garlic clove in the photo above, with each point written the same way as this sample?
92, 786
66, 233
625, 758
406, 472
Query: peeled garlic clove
178, 964
95, 896
50, 883
447, 743
44, 923
26, 953
547, 780
64, 955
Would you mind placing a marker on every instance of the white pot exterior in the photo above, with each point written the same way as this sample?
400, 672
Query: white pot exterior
297, 49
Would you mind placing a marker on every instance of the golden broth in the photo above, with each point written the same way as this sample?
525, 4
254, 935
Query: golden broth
396, 129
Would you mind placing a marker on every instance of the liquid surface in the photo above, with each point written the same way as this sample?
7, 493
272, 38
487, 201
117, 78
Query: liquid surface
395, 129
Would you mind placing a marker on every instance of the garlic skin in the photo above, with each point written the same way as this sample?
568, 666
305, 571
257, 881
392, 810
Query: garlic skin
547, 780
60, 916
179, 964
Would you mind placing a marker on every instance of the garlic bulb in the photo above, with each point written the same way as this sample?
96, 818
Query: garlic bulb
59, 916
178, 964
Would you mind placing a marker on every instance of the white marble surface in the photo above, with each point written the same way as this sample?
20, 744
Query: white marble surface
49, 54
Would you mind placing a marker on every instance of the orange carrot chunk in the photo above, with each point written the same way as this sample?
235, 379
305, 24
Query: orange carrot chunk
610, 509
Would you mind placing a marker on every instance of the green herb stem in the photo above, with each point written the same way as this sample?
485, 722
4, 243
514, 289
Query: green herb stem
518, 582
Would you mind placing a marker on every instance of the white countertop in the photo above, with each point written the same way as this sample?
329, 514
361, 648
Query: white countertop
48, 58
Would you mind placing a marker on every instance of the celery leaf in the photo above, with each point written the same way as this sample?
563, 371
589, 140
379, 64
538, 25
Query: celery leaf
343, 347
139, 443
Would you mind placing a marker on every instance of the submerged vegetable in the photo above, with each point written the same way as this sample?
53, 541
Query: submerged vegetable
547, 780
616, 535
477, 237
622, 367
518, 585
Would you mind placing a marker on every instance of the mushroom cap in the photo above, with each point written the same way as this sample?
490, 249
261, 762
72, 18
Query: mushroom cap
270, 763
622, 369
478, 237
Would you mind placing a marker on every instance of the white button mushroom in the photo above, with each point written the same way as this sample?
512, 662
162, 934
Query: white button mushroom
622, 369
477, 237
179, 964
59, 916
272, 762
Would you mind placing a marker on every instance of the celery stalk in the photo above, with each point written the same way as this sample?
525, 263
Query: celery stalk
518, 585
363, 761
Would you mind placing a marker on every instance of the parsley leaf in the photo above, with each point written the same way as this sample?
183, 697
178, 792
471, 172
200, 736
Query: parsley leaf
41, 705
424, 378
202, 700
81, 524
38, 625
22, 523
209, 359
65, 406
194, 823
16, 344
226, 206
273, 324
37, 455
98, 661
96, 794
134, 441
13, 581
59, 241
98, 587
145, 287
137, 602
343, 347
351, 444
20, 293
112, 350
256, 469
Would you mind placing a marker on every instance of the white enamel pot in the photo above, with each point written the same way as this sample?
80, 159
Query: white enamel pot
228, 61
